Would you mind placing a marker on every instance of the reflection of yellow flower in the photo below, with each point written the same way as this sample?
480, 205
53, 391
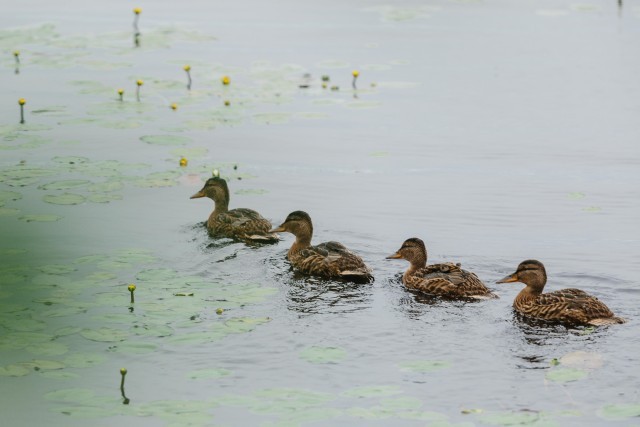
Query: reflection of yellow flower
137, 10
120, 91
16, 53
22, 101
131, 287
226, 80
187, 68
355, 73
139, 82
183, 162
123, 371
174, 106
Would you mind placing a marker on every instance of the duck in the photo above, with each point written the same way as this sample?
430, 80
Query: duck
329, 260
569, 306
238, 224
446, 280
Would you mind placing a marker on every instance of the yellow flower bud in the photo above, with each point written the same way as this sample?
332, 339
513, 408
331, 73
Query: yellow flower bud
139, 82
123, 371
16, 53
227, 103
120, 91
187, 67
131, 287
219, 311
226, 80
137, 10
355, 73
183, 162
174, 106
22, 101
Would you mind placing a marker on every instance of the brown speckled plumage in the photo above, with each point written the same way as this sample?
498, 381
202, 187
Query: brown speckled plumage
330, 260
240, 224
571, 306
447, 280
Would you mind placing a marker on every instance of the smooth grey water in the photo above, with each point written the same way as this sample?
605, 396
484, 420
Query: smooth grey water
495, 131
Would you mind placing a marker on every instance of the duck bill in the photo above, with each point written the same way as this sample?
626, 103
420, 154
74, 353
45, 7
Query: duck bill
509, 279
394, 256
198, 195
279, 229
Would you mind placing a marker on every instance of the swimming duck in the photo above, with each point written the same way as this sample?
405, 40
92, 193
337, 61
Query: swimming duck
566, 306
331, 260
447, 280
241, 224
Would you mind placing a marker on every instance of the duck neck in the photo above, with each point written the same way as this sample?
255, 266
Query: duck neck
221, 206
529, 293
303, 240
417, 262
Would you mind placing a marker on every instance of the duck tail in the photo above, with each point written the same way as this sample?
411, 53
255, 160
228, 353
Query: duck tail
604, 321
357, 276
264, 238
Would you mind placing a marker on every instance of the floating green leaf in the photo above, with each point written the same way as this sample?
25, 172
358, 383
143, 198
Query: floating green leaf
317, 354
14, 371
517, 418
165, 139
84, 360
48, 349
104, 334
70, 395
103, 198
64, 199
56, 269
64, 185
133, 347
210, 373
619, 411
40, 218
9, 196
563, 375
9, 211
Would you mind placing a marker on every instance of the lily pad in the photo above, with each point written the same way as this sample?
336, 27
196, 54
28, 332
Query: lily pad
563, 375
104, 334
132, 347
103, 198
316, 354
44, 365
210, 373
56, 269
517, 418
166, 139
9, 211
424, 365
14, 371
40, 218
65, 184
48, 349
84, 360
620, 411
60, 375
9, 196
156, 274
70, 395
64, 199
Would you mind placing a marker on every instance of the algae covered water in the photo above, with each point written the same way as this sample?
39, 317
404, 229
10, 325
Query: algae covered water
495, 132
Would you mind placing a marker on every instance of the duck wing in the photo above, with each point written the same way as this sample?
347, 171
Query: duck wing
243, 224
462, 283
332, 260
575, 306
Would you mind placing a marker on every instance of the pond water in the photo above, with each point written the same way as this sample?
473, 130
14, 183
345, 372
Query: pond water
495, 131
